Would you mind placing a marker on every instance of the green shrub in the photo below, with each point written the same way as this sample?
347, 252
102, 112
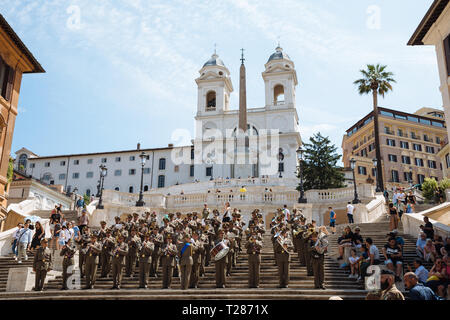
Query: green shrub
429, 187
444, 185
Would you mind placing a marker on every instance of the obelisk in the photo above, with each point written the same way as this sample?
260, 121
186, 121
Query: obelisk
242, 96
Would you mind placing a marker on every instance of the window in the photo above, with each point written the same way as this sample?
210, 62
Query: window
118, 173
371, 147
406, 160
362, 170
400, 133
32, 165
413, 119
407, 176
62, 176
404, 145
117, 188
390, 142
425, 121
146, 170
89, 174
191, 171
447, 160
104, 160
47, 164
162, 164
429, 149
417, 147
278, 95
75, 175
394, 176
211, 101
76, 162
420, 178
419, 162
62, 163
145, 188
437, 124
388, 130
426, 138
392, 158
363, 154
447, 53
414, 136
131, 189
401, 117
132, 158
46, 177
387, 114
161, 181
374, 172
6, 80
88, 192
90, 161
132, 172
438, 140
209, 171
117, 159
192, 154
432, 164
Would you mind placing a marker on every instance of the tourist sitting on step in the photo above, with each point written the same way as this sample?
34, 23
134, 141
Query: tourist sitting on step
374, 257
357, 240
345, 241
393, 258
420, 271
429, 251
438, 243
354, 264
438, 277
445, 250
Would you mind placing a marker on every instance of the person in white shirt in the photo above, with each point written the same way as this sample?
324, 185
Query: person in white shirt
15, 242
350, 210
24, 241
286, 212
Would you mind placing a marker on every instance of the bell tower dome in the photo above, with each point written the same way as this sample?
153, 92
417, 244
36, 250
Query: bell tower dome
214, 87
280, 79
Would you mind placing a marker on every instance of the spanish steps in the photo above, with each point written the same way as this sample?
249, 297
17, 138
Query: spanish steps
301, 286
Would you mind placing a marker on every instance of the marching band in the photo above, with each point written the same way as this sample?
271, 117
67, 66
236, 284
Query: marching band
184, 246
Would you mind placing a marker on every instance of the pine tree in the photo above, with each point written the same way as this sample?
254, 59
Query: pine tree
319, 165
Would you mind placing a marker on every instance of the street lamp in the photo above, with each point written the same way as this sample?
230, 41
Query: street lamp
140, 202
302, 198
352, 165
280, 159
103, 172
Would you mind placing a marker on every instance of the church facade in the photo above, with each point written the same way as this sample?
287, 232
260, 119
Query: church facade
228, 143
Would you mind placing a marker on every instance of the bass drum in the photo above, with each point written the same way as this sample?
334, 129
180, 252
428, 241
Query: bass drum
219, 251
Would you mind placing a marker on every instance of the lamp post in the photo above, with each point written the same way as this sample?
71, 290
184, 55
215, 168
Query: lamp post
280, 159
378, 187
140, 202
410, 178
74, 193
352, 165
103, 172
302, 198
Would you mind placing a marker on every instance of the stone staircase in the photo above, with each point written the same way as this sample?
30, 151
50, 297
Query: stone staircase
378, 232
69, 215
301, 286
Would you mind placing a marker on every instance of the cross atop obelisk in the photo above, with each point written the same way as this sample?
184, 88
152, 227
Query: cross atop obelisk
242, 96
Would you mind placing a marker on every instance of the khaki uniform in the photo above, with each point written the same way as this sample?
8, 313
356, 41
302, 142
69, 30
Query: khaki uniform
105, 255
307, 254
301, 245
134, 244
145, 256
42, 264
186, 263
204, 246
230, 255
197, 249
81, 257
118, 254
220, 266
168, 254
68, 261
392, 294
158, 241
318, 250
92, 254
254, 262
282, 259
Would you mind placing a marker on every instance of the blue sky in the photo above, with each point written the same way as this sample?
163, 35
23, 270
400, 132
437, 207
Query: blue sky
124, 72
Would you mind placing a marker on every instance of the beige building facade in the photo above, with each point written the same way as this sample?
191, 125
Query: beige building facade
15, 60
409, 146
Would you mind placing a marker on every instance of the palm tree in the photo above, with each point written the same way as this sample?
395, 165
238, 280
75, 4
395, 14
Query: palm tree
376, 80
